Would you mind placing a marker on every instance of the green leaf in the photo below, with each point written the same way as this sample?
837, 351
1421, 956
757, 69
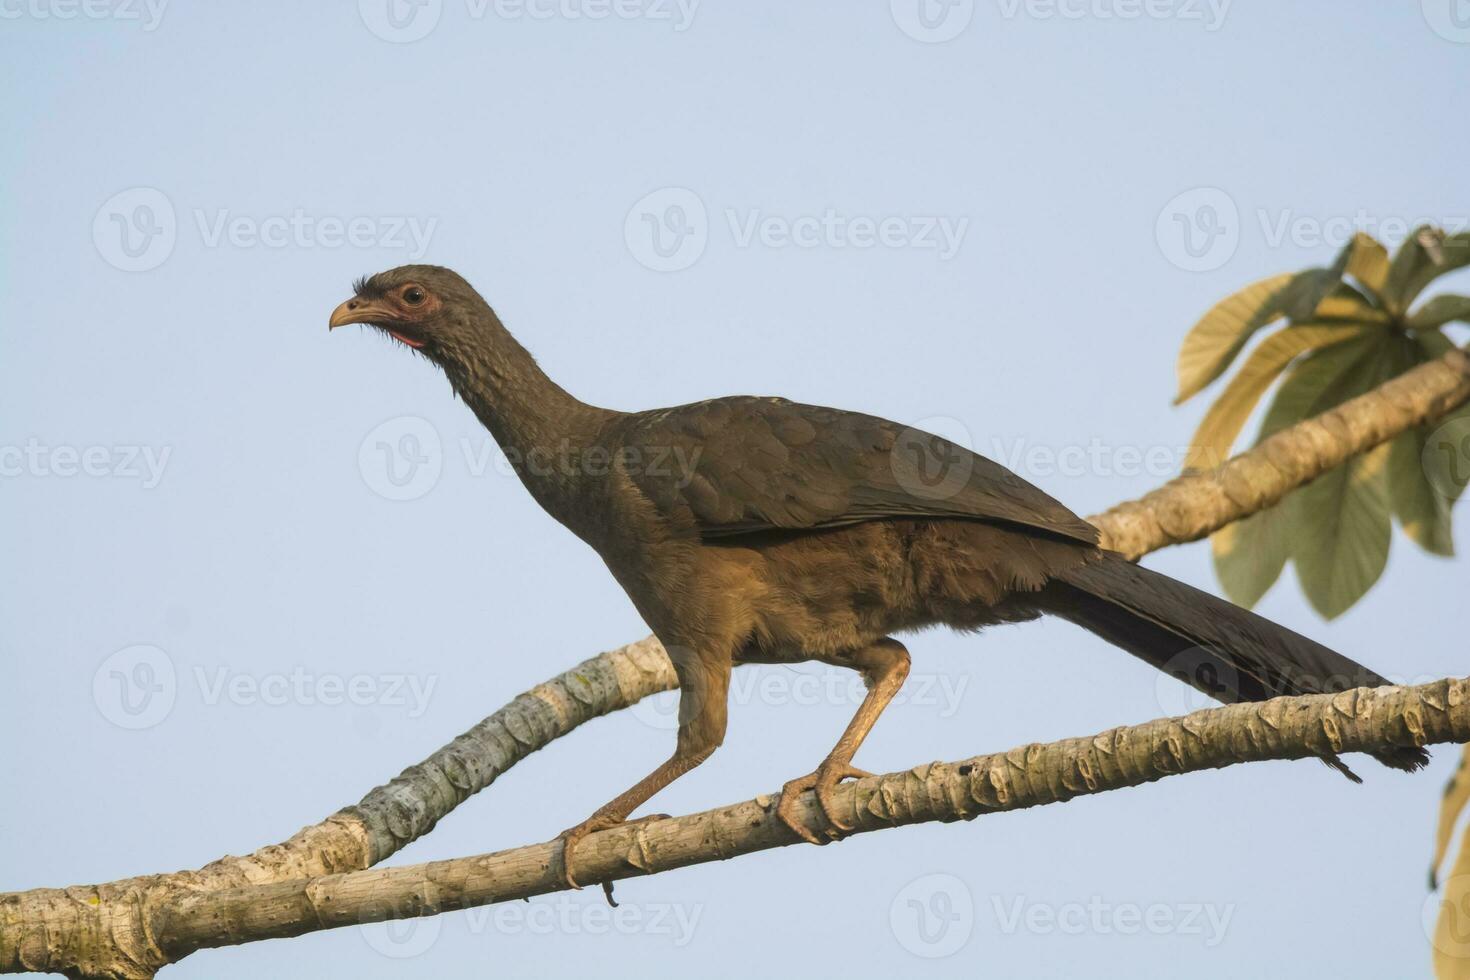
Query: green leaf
1433, 342
1228, 415
1341, 532
1426, 255
1310, 287
1443, 309
1423, 511
1368, 262
1345, 303
1445, 459
1250, 554
1319, 382
1213, 343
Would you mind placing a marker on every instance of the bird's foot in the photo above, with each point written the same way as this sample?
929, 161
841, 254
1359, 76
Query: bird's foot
570, 838
823, 781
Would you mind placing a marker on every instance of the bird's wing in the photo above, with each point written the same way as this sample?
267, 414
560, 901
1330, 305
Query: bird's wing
742, 465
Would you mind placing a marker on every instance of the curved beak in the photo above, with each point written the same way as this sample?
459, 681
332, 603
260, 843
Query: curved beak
357, 310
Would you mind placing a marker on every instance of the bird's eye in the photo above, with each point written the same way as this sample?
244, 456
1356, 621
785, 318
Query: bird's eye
413, 296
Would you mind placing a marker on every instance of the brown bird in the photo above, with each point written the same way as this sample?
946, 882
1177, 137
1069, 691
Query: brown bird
758, 530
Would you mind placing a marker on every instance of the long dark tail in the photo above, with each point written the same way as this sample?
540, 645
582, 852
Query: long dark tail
1218, 648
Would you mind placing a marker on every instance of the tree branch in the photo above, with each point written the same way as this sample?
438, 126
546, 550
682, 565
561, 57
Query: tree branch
1198, 504
1034, 775
107, 930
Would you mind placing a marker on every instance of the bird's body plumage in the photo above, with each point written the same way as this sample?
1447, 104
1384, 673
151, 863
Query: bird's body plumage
758, 530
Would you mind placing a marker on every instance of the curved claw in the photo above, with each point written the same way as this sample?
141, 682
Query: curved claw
787, 804
569, 839
823, 782
572, 837
826, 783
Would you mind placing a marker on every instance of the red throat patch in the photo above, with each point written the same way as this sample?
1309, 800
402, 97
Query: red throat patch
415, 344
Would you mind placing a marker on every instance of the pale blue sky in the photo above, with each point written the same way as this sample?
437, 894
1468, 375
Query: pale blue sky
237, 523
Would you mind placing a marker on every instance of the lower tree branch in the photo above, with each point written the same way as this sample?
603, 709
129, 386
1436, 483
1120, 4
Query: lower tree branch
1033, 775
104, 930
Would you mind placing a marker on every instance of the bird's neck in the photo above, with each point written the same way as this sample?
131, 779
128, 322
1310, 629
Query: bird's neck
538, 424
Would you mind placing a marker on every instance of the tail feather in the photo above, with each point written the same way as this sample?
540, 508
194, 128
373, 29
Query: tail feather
1218, 648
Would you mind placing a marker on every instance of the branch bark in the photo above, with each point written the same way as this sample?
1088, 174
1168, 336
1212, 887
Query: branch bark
1032, 775
1198, 504
127, 928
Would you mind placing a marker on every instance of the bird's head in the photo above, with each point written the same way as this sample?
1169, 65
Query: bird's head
426, 307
